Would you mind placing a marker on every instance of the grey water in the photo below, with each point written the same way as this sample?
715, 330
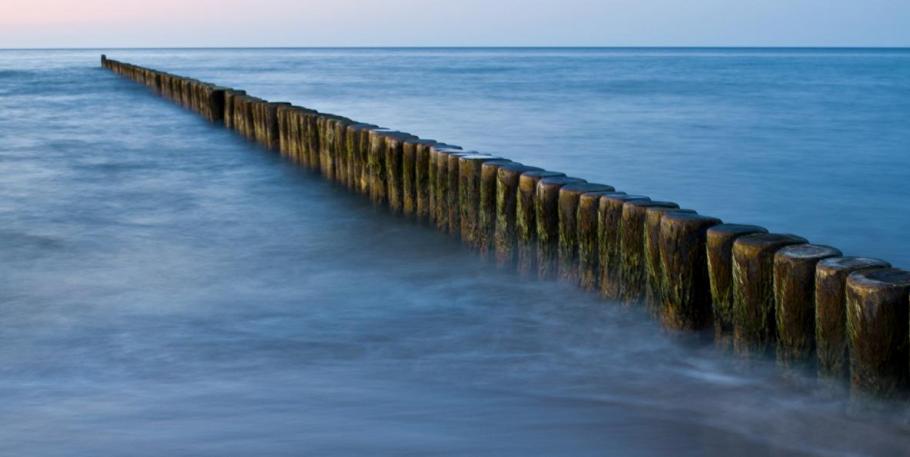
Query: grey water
170, 289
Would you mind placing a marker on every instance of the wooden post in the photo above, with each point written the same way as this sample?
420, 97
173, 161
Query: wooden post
632, 248
489, 172
794, 299
877, 321
470, 168
609, 236
526, 219
507, 176
567, 248
754, 326
831, 311
589, 239
720, 271
684, 288
394, 169
653, 274
546, 211
411, 188
376, 166
452, 191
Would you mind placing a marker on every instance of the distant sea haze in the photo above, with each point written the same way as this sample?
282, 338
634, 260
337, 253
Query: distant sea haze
171, 289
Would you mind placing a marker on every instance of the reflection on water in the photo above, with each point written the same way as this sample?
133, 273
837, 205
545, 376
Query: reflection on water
170, 289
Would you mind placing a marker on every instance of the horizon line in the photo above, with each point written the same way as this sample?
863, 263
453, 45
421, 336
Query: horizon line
831, 47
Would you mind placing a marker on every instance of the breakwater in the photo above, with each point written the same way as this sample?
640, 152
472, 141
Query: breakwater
690, 271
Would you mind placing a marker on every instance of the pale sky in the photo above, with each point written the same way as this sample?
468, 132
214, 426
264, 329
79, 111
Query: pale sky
185, 23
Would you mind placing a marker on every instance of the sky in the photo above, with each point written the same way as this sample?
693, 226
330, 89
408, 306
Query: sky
204, 23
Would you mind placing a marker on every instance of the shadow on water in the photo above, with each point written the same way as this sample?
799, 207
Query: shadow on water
170, 289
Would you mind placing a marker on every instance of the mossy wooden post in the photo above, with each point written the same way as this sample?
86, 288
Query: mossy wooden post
526, 219
452, 192
877, 322
394, 149
284, 142
470, 169
339, 151
720, 271
314, 145
424, 175
794, 299
754, 327
653, 275
376, 166
567, 214
410, 187
609, 246
271, 123
356, 146
438, 177
487, 217
588, 239
363, 150
230, 115
831, 311
546, 213
507, 177
684, 288
632, 248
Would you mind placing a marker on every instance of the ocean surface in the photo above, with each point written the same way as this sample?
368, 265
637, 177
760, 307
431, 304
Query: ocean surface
170, 289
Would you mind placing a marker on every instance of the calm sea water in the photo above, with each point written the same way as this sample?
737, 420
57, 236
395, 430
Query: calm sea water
169, 289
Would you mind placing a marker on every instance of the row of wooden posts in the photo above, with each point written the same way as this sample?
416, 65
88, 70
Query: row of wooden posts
761, 292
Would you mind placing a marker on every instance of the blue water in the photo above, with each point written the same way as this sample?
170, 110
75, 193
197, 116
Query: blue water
169, 289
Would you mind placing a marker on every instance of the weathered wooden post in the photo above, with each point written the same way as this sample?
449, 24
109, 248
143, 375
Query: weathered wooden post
526, 218
340, 151
410, 186
609, 235
425, 178
376, 166
357, 137
469, 176
439, 161
589, 239
753, 290
489, 172
438, 176
507, 177
546, 212
720, 270
452, 191
632, 248
653, 275
567, 246
684, 288
831, 310
313, 142
394, 144
794, 299
877, 321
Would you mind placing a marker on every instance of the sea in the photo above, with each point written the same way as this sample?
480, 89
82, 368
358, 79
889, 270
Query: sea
169, 288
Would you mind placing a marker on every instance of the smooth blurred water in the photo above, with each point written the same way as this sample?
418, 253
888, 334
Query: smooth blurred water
169, 289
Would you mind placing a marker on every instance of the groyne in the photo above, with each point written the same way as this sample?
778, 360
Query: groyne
754, 292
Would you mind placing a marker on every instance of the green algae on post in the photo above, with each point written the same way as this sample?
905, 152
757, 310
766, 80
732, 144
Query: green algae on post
684, 288
567, 248
794, 299
877, 322
754, 326
830, 311
546, 213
